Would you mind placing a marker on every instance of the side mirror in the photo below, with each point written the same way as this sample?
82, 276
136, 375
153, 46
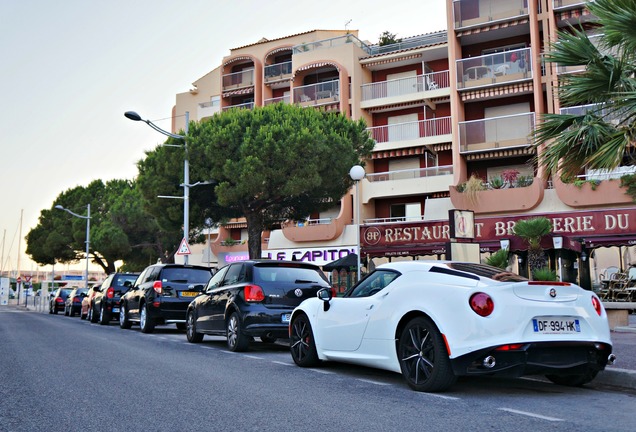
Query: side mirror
325, 294
127, 284
197, 287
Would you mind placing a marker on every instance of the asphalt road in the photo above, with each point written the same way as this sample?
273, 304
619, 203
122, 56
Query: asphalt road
64, 374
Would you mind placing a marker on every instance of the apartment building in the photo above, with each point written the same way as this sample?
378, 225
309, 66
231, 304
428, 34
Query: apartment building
442, 106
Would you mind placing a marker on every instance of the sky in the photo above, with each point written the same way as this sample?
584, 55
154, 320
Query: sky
71, 68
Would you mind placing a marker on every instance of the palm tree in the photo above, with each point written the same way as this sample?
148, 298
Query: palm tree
532, 231
601, 137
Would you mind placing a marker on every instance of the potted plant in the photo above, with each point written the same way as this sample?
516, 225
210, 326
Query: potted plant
532, 231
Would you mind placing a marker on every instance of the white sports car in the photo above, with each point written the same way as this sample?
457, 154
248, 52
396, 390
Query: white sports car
436, 320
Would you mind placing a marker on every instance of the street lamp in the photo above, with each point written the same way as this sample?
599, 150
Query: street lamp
357, 173
132, 115
88, 232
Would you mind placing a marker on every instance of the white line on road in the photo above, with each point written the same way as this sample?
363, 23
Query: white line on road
253, 357
282, 363
441, 396
539, 416
373, 382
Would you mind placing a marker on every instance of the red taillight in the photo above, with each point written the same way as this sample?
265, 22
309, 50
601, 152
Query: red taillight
77, 300
511, 347
157, 287
253, 293
597, 305
482, 304
59, 300
110, 292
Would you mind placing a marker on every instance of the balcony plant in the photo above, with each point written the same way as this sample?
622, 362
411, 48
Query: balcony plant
629, 182
472, 187
496, 182
510, 176
523, 181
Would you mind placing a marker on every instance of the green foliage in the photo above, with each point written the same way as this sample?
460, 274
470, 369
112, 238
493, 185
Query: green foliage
544, 274
496, 182
499, 259
523, 181
532, 231
388, 38
277, 162
472, 187
629, 182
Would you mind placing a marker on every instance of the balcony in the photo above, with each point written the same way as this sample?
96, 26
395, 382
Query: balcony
270, 101
246, 105
410, 134
238, 80
324, 93
407, 182
278, 72
412, 42
403, 90
331, 43
468, 13
518, 199
496, 133
323, 229
596, 188
207, 109
494, 69
567, 4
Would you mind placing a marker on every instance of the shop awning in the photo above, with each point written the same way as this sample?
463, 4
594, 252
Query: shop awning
609, 241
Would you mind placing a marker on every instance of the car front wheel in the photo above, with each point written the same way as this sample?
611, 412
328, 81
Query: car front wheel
145, 321
236, 339
302, 344
423, 357
191, 330
124, 322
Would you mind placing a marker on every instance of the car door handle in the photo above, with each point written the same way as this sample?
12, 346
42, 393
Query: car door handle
370, 307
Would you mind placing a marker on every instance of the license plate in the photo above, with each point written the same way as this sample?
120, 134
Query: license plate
115, 310
189, 293
286, 317
555, 325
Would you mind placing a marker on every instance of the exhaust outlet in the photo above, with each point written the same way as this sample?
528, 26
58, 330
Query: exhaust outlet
611, 359
489, 362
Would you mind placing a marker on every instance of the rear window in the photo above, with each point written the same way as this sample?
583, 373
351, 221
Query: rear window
186, 275
286, 274
122, 279
487, 271
66, 292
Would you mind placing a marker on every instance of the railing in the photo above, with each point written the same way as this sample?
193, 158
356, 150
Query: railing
410, 173
283, 99
403, 86
424, 40
246, 105
467, 13
393, 219
311, 222
277, 71
561, 4
495, 133
411, 130
244, 78
494, 68
318, 94
330, 43
571, 69
602, 174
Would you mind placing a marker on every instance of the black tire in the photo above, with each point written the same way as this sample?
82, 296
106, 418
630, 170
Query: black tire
55, 309
423, 357
50, 309
236, 339
83, 316
71, 312
65, 311
104, 317
191, 329
124, 322
302, 344
146, 323
94, 317
181, 326
576, 380
268, 339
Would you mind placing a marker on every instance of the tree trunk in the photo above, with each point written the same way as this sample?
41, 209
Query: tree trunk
254, 232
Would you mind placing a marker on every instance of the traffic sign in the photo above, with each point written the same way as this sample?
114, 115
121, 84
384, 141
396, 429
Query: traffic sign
19, 279
27, 278
184, 248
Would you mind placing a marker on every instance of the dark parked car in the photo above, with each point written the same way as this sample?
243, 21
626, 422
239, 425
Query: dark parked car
57, 303
252, 298
87, 302
105, 304
73, 303
161, 295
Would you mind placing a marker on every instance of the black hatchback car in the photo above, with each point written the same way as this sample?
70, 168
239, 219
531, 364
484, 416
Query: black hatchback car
161, 295
252, 298
73, 303
105, 304
57, 302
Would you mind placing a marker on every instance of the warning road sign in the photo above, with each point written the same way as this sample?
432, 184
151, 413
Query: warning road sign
184, 248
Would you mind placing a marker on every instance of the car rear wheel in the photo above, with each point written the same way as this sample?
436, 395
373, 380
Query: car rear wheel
124, 322
302, 344
423, 357
145, 322
573, 380
236, 339
104, 318
191, 330
94, 316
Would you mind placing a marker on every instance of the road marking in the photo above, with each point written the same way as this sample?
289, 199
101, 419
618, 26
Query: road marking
373, 382
539, 416
324, 372
440, 396
253, 357
282, 363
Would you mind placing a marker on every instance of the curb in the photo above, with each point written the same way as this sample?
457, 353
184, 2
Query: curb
616, 377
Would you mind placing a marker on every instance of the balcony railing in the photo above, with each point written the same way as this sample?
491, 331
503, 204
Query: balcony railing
236, 80
410, 173
404, 86
413, 42
563, 4
393, 219
496, 133
246, 105
278, 71
208, 109
283, 99
411, 130
330, 43
505, 66
467, 13
323, 93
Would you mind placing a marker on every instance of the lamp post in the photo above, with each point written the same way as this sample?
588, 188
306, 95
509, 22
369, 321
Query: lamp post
88, 232
357, 173
132, 115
